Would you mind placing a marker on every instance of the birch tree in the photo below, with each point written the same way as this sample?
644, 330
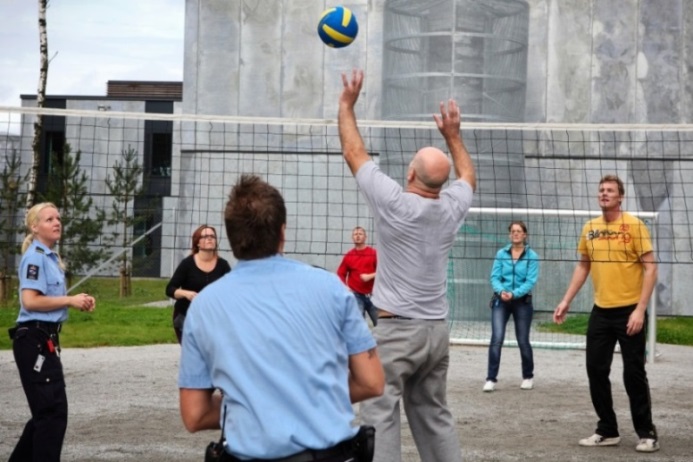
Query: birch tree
40, 102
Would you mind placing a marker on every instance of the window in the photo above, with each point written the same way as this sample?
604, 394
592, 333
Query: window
53, 142
161, 154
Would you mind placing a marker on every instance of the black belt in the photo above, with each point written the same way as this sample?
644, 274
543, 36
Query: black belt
345, 448
395, 317
50, 327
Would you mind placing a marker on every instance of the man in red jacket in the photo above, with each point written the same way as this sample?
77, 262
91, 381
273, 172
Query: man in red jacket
357, 271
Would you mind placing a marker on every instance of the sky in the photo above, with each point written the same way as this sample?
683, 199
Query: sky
89, 43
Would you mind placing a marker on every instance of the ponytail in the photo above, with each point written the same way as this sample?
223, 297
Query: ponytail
27, 242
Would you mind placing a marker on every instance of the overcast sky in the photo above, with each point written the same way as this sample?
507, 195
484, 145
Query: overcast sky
90, 42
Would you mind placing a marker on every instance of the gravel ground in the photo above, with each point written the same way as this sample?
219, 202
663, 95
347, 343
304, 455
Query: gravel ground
124, 406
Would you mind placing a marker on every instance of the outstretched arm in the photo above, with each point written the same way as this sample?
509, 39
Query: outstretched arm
449, 125
353, 149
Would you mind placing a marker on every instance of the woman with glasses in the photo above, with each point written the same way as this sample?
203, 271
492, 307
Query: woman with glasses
514, 274
203, 266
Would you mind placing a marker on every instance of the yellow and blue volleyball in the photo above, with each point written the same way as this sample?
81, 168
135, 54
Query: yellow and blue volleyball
338, 27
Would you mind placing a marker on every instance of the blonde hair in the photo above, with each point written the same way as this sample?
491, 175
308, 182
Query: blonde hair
31, 219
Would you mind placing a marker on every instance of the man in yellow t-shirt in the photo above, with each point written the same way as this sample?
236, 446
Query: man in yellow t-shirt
616, 250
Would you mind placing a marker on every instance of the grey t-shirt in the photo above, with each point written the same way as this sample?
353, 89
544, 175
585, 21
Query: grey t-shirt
414, 238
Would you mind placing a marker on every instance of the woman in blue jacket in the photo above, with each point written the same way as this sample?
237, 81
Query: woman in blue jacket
514, 274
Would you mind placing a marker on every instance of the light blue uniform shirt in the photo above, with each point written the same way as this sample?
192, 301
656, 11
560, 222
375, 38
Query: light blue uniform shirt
39, 270
275, 335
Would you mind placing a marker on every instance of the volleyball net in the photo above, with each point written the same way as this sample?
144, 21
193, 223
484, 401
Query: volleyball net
545, 175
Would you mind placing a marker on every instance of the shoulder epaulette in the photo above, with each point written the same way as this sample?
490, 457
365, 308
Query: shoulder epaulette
40, 250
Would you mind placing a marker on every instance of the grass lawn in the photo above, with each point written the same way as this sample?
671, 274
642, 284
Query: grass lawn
127, 322
115, 322
671, 330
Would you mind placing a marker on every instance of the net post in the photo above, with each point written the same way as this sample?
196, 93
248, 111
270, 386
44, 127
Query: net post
652, 319
652, 329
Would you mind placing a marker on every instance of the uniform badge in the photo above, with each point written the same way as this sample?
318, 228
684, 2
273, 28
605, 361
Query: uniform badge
32, 272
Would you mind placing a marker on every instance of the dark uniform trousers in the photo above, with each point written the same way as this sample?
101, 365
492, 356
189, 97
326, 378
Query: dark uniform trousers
42, 438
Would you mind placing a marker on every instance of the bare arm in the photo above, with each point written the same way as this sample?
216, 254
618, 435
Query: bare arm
200, 409
33, 300
366, 376
174, 288
448, 123
353, 149
582, 270
183, 293
365, 277
637, 318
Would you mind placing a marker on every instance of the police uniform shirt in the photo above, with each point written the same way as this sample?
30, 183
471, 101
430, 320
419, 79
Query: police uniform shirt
39, 270
279, 349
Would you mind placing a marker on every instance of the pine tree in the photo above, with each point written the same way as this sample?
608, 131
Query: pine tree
125, 186
67, 189
11, 200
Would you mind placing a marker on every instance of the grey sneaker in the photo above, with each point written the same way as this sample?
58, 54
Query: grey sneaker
647, 445
599, 440
489, 386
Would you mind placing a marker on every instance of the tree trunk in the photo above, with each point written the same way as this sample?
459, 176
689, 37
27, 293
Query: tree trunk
125, 282
4, 288
40, 102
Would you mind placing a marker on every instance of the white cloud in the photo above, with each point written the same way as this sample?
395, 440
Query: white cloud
95, 41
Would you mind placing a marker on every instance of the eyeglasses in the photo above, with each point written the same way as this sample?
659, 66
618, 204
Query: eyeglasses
208, 236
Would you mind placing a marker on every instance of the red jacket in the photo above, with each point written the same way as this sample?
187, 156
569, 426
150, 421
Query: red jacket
355, 263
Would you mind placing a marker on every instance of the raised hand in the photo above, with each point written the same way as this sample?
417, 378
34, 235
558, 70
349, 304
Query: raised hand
448, 121
352, 88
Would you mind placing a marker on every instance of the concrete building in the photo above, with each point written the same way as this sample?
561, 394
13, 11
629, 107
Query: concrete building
102, 141
593, 61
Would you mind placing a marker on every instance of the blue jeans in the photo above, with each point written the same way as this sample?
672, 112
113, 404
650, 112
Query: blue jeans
366, 306
522, 311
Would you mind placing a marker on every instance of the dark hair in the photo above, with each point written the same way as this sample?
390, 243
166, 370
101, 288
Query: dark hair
254, 217
197, 235
614, 179
519, 223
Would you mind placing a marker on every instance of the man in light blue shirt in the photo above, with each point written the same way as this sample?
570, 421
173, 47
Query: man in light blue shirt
284, 342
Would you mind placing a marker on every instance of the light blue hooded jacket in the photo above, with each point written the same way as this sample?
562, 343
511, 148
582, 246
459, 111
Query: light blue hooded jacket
518, 277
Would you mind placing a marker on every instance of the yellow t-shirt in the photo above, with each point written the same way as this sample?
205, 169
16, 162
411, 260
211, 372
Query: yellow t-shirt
615, 248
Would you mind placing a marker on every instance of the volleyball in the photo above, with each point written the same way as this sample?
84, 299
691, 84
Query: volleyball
337, 27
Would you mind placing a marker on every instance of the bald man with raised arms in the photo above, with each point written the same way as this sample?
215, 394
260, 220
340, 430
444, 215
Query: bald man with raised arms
416, 228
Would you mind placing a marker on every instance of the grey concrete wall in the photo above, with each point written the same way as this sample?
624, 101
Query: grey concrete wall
589, 61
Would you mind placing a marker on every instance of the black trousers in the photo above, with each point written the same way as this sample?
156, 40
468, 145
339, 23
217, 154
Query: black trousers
357, 449
43, 435
337, 458
606, 327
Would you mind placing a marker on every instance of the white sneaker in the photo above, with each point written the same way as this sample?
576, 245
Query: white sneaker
489, 386
527, 384
647, 445
599, 440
